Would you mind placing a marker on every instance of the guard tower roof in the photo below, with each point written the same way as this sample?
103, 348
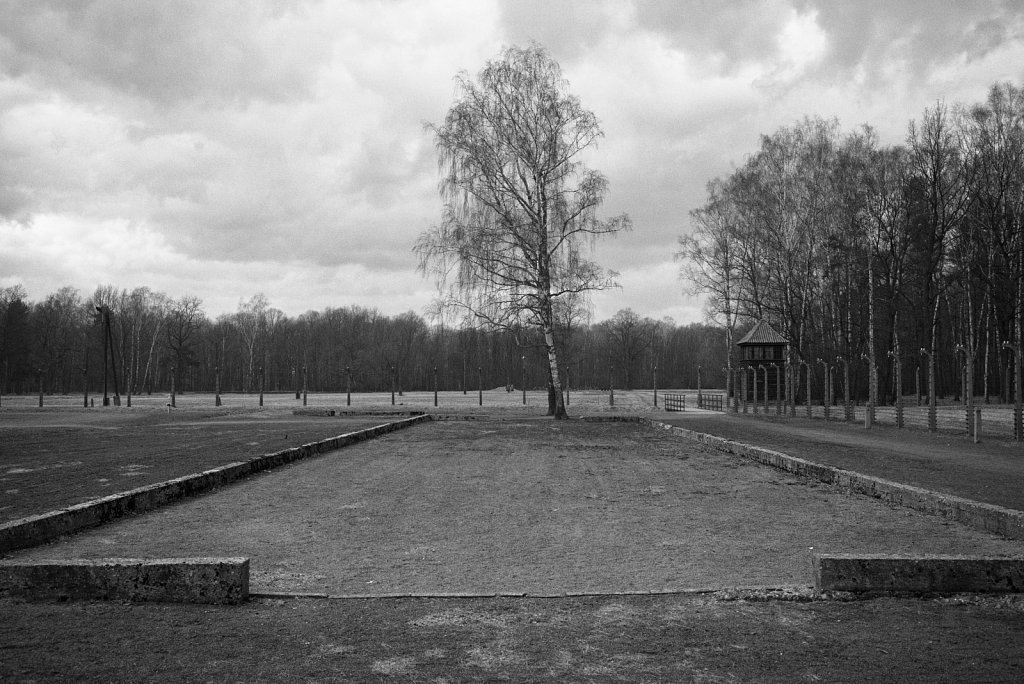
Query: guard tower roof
762, 333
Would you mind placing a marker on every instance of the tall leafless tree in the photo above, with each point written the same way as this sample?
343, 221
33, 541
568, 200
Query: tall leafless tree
520, 206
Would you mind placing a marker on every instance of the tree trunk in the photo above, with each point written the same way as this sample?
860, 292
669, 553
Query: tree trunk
869, 410
555, 388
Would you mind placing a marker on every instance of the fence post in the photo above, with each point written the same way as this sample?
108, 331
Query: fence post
917, 382
765, 369
611, 385
755, 389
729, 389
932, 416
894, 355
778, 389
743, 395
977, 425
523, 361
700, 397
567, 384
968, 385
826, 399
791, 386
847, 407
1018, 429
348, 386
655, 385
869, 408
807, 369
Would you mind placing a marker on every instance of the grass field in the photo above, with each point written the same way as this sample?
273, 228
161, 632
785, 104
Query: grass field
53, 459
506, 503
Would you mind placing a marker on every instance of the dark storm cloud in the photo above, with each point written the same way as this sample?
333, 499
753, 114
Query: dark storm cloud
736, 32
159, 50
925, 34
861, 34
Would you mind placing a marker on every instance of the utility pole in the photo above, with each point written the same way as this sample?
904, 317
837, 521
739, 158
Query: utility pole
523, 359
103, 319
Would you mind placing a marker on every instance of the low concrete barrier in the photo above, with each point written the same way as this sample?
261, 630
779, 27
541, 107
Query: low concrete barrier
38, 529
1005, 522
180, 580
918, 574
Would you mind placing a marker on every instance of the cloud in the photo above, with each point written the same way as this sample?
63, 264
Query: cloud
864, 35
231, 147
245, 131
165, 51
653, 291
568, 29
127, 256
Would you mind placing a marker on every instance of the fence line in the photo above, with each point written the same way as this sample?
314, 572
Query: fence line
711, 401
675, 402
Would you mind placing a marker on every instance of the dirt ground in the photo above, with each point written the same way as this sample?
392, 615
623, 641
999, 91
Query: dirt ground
679, 638
533, 506
524, 506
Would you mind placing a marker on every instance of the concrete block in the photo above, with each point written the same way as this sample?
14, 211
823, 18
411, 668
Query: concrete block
918, 574
178, 580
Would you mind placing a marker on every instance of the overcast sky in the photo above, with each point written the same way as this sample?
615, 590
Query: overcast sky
224, 148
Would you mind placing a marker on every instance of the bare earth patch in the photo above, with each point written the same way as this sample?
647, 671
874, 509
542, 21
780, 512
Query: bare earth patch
676, 638
525, 507
516, 505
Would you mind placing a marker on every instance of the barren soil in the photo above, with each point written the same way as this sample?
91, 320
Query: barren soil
680, 638
517, 505
524, 506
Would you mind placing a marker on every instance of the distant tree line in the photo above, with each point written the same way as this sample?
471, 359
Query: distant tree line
57, 344
877, 255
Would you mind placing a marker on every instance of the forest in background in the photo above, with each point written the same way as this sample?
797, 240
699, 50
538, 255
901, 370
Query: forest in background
57, 344
873, 255
859, 253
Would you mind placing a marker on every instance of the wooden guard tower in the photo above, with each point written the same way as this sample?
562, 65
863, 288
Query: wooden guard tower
764, 346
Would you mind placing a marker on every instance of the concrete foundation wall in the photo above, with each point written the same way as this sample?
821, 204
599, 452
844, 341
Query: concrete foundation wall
38, 529
181, 580
917, 574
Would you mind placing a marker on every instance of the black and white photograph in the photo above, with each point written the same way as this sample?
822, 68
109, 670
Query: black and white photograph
511, 341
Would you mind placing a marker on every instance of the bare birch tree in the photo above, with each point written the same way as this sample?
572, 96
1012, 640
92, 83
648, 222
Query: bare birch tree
936, 160
520, 206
